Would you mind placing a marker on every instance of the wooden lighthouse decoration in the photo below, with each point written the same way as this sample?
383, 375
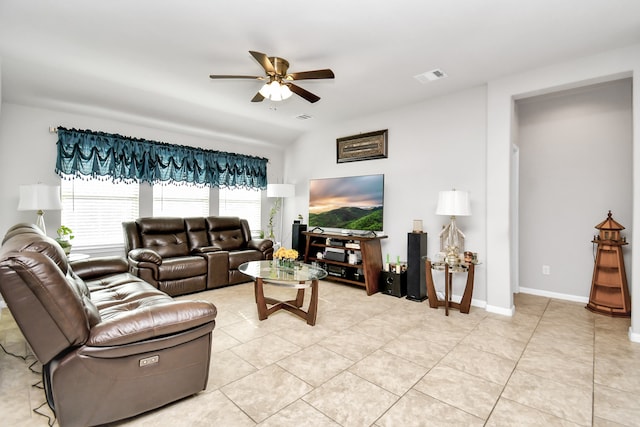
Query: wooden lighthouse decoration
609, 291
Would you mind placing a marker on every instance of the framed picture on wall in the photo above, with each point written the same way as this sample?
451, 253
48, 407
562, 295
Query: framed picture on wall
364, 146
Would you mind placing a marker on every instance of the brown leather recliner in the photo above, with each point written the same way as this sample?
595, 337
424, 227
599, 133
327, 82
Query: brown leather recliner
184, 255
111, 345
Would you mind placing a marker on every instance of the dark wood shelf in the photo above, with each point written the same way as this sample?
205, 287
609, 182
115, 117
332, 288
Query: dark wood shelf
369, 249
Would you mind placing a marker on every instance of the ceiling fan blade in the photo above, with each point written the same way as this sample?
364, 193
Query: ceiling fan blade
316, 74
257, 98
303, 93
229, 76
264, 61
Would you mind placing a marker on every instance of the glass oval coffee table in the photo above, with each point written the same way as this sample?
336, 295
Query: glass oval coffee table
300, 276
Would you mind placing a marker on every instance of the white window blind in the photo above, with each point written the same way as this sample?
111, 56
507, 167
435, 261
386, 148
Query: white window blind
180, 200
95, 210
242, 203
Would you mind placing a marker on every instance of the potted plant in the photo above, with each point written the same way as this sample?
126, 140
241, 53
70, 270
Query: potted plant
65, 235
275, 208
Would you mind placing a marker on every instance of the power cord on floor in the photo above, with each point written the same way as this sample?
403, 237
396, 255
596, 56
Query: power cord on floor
50, 421
18, 356
39, 384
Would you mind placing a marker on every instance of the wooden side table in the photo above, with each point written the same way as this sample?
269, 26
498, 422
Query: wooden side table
465, 304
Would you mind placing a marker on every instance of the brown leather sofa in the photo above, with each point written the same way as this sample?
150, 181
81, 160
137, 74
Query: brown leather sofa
111, 345
185, 255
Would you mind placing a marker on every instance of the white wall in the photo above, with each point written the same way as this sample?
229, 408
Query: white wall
433, 146
575, 165
0, 87
611, 65
28, 153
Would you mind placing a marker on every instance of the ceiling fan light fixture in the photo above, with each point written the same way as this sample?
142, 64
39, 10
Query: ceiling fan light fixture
265, 90
279, 86
285, 91
275, 91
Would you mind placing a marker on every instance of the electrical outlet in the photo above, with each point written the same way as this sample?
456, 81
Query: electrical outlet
546, 270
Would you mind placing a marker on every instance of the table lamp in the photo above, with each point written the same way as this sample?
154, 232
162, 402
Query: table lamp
39, 197
452, 203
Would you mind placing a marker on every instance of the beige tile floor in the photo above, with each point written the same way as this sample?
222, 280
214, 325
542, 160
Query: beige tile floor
384, 361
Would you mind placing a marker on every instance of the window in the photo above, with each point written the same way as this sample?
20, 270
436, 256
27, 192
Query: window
180, 200
242, 203
95, 210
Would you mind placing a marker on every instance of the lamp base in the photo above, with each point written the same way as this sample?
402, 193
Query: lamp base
453, 257
40, 222
452, 242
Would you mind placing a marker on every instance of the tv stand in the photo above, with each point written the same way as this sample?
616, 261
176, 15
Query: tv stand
365, 274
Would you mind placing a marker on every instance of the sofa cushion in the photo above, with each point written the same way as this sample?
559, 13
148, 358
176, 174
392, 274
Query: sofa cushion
148, 318
80, 287
196, 233
31, 239
128, 290
50, 313
166, 236
179, 268
225, 233
35, 241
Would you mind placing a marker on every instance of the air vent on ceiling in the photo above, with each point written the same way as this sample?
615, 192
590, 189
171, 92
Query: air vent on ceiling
303, 117
430, 76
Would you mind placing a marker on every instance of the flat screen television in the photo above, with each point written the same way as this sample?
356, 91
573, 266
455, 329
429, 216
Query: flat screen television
352, 204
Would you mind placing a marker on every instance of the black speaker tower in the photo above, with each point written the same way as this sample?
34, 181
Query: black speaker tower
416, 274
298, 240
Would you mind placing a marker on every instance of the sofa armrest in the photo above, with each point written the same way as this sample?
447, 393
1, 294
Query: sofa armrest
260, 244
206, 249
145, 264
217, 268
149, 321
145, 255
100, 266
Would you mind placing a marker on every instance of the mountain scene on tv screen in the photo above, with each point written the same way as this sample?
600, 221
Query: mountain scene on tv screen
351, 218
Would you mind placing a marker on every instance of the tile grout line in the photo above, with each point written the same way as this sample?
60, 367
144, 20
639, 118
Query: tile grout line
516, 364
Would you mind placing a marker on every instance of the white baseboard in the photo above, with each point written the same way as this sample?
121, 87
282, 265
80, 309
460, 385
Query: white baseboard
478, 303
500, 310
634, 336
556, 295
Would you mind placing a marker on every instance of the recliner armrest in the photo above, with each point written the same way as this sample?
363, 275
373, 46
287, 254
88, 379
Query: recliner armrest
145, 255
149, 321
206, 249
145, 264
217, 268
260, 244
100, 266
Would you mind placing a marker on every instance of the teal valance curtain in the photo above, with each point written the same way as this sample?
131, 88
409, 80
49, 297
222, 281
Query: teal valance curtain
85, 153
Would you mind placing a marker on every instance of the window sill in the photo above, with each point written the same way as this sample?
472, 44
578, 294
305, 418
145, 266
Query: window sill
100, 250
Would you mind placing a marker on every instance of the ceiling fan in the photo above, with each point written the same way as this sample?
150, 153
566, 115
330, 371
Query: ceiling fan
279, 84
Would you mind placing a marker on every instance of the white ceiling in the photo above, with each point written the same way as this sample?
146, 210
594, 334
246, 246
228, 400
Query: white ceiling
151, 59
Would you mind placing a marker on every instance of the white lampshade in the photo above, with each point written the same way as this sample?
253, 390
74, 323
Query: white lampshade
453, 203
281, 190
39, 197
